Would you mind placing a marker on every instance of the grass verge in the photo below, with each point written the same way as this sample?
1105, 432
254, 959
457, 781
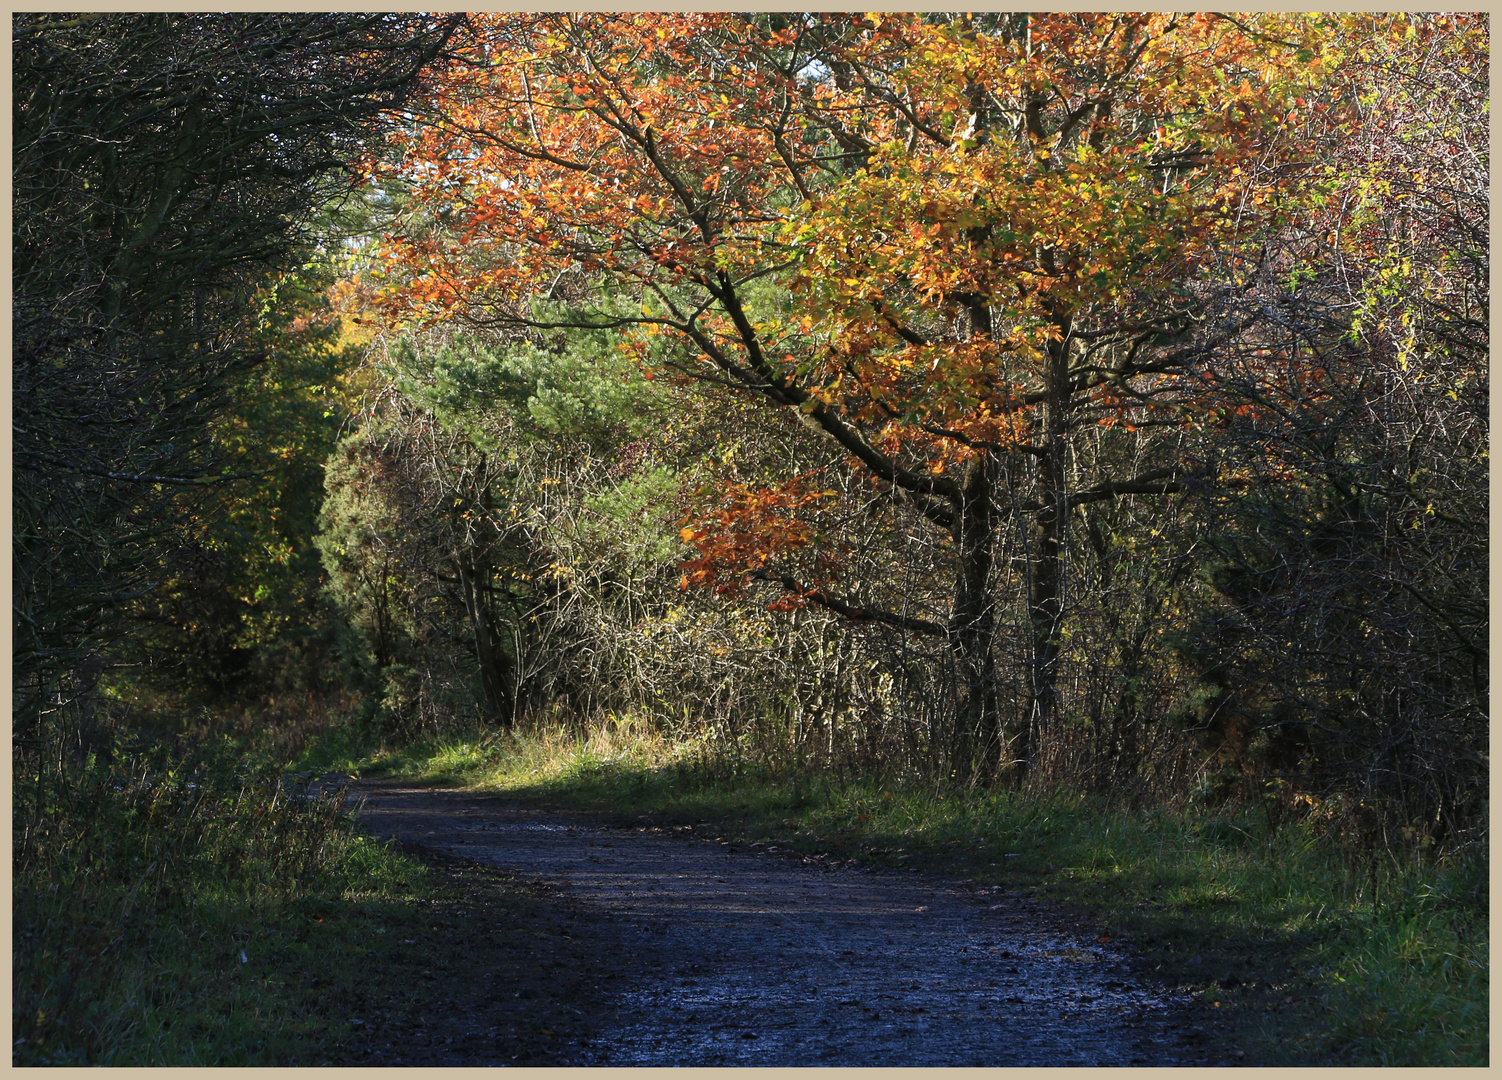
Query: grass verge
191, 913
1305, 957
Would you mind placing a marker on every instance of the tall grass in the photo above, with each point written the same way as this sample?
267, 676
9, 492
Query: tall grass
152, 896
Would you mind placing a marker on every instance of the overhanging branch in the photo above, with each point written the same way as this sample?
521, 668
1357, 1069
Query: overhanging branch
853, 612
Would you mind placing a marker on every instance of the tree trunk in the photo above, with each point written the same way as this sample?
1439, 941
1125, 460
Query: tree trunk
1124, 748
495, 666
1045, 596
976, 743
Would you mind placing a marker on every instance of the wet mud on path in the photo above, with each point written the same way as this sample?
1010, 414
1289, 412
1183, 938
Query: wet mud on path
706, 952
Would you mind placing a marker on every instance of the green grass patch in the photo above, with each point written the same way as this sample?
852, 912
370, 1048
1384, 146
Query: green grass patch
1307, 956
188, 915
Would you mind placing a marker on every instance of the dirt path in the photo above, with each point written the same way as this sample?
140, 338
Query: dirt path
724, 955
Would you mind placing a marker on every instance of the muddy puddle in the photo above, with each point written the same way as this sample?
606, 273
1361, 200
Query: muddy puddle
740, 956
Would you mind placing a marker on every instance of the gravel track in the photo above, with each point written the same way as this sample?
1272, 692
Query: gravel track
742, 955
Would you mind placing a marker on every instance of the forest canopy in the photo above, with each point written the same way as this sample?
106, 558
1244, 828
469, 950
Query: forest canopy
1089, 399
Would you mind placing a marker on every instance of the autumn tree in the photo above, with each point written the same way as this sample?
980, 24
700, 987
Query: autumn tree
941, 244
